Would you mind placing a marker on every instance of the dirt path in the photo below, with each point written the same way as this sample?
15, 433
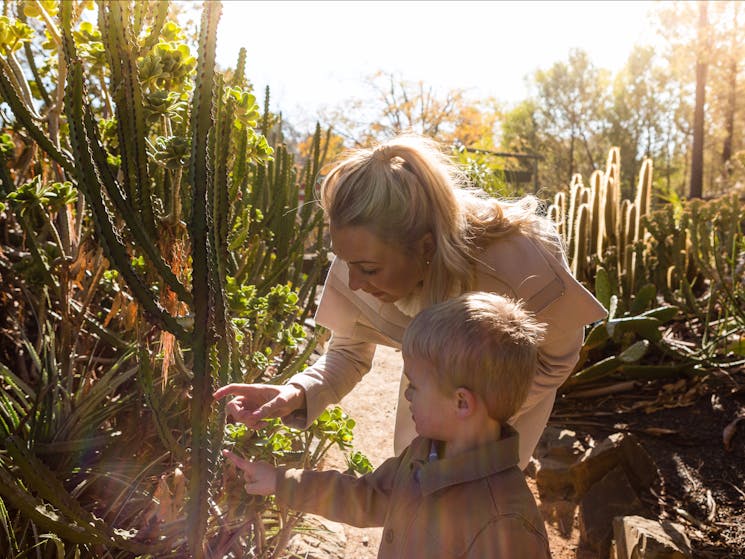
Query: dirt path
373, 406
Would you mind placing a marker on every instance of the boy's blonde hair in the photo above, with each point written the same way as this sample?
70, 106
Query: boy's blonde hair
405, 188
480, 341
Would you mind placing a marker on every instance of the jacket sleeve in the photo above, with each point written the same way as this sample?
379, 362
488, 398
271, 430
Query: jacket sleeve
331, 377
340, 497
509, 537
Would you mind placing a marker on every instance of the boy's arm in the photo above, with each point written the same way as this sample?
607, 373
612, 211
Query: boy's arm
509, 537
341, 497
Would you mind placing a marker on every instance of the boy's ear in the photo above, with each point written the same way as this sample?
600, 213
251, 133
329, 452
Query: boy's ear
465, 402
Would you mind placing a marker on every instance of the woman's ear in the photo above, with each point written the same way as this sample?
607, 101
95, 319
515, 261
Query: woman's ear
466, 402
427, 246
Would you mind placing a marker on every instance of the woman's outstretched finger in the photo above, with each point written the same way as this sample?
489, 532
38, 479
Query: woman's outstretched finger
229, 390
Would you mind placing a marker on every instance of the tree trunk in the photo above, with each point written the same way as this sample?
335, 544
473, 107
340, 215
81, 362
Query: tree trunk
697, 152
571, 158
729, 122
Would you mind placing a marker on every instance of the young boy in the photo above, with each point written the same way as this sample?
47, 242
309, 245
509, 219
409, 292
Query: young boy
456, 491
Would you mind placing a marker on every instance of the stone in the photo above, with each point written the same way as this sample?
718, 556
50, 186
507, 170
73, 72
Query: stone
320, 539
639, 466
556, 442
557, 451
612, 496
554, 478
596, 462
617, 449
637, 537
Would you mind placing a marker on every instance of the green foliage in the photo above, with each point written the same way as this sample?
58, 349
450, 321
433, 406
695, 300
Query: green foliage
152, 230
285, 446
13, 34
359, 463
484, 172
290, 448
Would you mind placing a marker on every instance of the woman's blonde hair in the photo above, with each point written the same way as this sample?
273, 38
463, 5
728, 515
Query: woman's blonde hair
406, 187
480, 341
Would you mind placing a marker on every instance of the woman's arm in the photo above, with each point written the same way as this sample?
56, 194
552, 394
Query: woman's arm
331, 377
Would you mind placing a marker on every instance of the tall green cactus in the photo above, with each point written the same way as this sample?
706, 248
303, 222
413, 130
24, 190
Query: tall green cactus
205, 280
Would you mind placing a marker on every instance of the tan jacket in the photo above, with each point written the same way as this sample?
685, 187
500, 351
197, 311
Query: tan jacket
475, 505
513, 266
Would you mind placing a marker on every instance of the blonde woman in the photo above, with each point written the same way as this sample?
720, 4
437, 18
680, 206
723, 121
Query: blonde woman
408, 233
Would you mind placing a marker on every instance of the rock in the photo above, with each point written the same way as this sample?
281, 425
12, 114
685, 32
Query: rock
557, 451
616, 449
596, 462
612, 496
560, 515
323, 539
556, 442
639, 466
554, 478
640, 538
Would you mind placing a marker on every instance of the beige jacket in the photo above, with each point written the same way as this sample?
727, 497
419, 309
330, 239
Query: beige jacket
514, 266
475, 505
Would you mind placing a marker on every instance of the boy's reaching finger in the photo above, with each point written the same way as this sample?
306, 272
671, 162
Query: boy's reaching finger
239, 462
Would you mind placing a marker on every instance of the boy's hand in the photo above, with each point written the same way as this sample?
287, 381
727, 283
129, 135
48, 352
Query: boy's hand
261, 477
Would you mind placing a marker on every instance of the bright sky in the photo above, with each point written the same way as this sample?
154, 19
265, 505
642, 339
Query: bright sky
316, 53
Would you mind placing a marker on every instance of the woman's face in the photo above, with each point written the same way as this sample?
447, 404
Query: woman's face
383, 270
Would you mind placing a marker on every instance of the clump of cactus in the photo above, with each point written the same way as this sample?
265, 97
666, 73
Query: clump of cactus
649, 266
597, 226
163, 235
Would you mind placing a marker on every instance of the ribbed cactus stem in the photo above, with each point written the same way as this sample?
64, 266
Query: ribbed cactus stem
581, 236
239, 76
200, 176
597, 215
90, 182
574, 192
643, 200
121, 48
630, 230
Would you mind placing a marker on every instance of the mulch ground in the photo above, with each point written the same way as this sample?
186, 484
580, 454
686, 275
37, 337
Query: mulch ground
691, 427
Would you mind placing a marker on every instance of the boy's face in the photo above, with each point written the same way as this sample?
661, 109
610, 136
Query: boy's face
431, 409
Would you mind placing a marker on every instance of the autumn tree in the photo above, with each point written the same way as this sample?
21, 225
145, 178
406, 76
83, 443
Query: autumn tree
396, 105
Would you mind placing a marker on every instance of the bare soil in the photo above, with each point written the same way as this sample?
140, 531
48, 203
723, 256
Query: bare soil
689, 427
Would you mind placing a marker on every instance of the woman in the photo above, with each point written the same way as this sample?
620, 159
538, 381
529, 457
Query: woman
407, 233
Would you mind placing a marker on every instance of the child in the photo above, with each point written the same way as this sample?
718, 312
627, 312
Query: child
456, 491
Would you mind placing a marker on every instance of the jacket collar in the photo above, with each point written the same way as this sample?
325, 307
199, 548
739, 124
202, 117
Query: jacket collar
478, 463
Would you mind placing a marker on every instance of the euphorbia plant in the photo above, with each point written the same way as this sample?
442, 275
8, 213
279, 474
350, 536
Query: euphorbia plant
159, 248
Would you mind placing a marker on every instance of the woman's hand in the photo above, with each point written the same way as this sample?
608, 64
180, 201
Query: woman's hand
255, 402
260, 477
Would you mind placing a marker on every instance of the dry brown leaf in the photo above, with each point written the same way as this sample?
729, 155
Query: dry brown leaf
712, 505
115, 306
658, 431
729, 432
